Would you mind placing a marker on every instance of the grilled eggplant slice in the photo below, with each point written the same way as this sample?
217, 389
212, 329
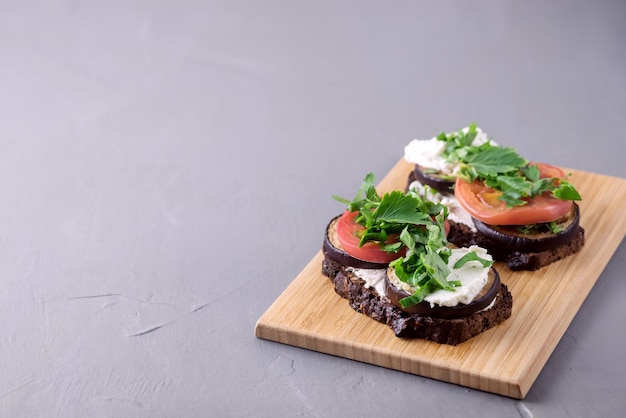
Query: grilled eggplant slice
481, 301
537, 238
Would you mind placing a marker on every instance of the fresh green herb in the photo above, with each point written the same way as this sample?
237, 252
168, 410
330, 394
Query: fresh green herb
554, 227
472, 256
457, 143
420, 226
566, 191
501, 168
525, 229
504, 170
425, 265
389, 214
513, 188
491, 162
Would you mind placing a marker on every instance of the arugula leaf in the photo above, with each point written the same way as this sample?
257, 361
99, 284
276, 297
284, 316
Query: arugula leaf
437, 268
416, 297
472, 256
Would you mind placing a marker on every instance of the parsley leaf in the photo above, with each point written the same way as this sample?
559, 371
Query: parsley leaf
401, 208
458, 144
490, 162
420, 226
566, 191
425, 265
390, 214
531, 172
513, 188
508, 173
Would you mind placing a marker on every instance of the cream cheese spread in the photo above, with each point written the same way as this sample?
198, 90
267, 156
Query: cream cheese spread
374, 278
428, 152
472, 275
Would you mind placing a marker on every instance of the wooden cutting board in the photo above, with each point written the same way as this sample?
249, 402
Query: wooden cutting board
506, 359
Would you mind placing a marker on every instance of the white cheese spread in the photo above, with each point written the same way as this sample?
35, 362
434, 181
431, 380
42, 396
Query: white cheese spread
374, 278
493, 302
428, 152
472, 275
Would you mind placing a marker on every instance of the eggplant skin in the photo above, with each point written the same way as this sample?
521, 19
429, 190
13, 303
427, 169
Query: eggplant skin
513, 240
332, 249
436, 182
423, 308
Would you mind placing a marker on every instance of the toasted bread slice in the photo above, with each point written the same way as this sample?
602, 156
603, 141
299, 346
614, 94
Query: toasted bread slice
371, 301
455, 331
461, 235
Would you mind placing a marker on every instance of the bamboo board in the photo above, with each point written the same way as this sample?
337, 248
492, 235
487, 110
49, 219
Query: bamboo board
504, 360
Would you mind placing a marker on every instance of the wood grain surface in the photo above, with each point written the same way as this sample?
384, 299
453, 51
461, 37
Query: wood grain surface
504, 360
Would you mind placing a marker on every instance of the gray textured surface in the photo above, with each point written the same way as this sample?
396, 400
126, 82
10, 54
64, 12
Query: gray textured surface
166, 170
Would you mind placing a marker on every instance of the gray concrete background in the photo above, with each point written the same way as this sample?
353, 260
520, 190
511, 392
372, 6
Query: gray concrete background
166, 170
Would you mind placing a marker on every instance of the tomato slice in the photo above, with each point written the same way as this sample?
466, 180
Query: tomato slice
482, 202
349, 235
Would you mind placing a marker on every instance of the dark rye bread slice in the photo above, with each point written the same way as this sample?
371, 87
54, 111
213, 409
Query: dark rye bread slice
405, 325
463, 236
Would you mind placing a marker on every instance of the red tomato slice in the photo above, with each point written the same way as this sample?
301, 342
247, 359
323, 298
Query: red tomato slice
483, 204
349, 235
